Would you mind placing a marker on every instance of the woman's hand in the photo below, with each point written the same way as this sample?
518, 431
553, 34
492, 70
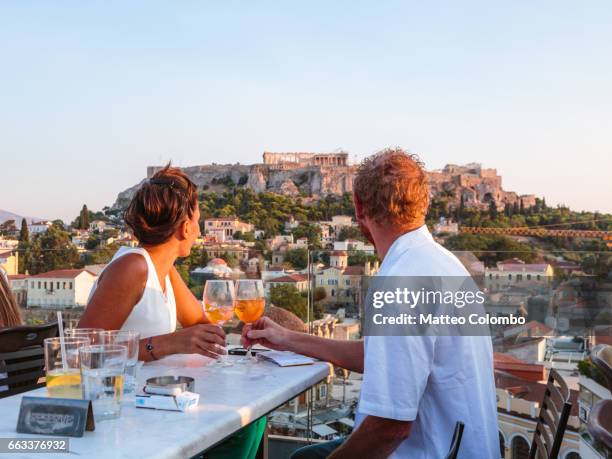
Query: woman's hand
204, 339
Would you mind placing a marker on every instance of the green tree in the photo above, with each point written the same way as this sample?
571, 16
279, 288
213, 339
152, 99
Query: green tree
298, 258
24, 233
52, 250
84, 218
92, 243
492, 210
288, 297
350, 232
309, 231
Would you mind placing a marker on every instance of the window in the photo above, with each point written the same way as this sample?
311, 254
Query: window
520, 448
70, 285
64, 286
322, 391
528, 276
45, 285
539, 278
490, 276
347, 282
57, 287
38, 285
32, 284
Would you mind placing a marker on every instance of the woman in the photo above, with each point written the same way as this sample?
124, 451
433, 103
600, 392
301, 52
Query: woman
10, 316
141, 290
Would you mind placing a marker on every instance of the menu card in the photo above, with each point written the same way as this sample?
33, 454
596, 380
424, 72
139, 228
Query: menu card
286, 358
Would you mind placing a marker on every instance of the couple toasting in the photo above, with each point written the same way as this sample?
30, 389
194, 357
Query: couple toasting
414, 388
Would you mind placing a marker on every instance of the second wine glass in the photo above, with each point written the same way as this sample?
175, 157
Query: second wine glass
219, 301
250, 303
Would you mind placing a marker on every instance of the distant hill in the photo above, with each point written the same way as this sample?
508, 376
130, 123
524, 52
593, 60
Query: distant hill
6, 215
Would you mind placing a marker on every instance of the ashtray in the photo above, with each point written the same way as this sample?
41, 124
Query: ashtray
169, 385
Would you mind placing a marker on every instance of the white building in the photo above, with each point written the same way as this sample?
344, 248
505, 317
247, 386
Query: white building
515, 272
97, 225
300, 281
223, 228
39, 227
354, 245
63, 288
7, 243
446, 226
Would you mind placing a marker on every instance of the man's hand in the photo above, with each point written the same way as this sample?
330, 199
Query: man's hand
267, 333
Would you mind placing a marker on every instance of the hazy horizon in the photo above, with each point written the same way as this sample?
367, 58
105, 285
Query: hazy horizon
92, 93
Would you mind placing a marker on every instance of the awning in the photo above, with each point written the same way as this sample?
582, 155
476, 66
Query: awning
323, 430
347, 422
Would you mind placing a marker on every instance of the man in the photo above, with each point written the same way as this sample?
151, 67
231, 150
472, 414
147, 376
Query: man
415, 388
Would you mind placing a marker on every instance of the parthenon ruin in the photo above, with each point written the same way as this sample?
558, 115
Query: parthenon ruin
306, 159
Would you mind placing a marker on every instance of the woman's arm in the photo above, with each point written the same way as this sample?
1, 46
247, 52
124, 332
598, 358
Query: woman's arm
189, 310
120, 288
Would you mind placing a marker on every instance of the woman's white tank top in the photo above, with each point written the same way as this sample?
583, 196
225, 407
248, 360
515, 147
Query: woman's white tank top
155, 313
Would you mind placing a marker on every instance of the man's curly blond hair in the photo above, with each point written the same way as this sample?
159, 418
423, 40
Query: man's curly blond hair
393, 189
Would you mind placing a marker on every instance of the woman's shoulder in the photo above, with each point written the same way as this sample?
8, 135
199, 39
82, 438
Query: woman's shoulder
130, 267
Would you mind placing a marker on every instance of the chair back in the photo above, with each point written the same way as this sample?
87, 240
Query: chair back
601, 356
22, 357
552, 419
456, 441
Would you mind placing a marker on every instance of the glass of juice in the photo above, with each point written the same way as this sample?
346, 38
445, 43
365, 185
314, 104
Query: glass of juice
62, 364
219, 298
250, 303
102, 369
131, 340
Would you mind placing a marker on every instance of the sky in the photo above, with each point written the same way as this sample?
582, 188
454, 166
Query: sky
93, 92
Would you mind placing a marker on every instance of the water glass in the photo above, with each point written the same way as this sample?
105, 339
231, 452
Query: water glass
102, 368
63, 377
131, 340
92, 334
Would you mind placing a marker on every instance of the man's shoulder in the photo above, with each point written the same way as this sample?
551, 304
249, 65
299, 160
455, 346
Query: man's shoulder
430, 259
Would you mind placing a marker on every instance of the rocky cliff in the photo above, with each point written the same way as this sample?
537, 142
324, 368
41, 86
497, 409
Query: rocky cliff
476, 185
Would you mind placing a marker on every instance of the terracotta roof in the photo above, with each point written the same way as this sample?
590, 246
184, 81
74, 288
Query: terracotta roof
353, 271
17, 276
290, 278
537, 267
339, 253
62, 273
217, 261
529, 390
6, 254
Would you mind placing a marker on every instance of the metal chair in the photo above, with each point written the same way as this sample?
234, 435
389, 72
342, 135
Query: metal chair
23, 357
600, 418
552, 419
456, 441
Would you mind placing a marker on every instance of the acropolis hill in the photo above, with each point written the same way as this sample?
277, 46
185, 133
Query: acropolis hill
320, 174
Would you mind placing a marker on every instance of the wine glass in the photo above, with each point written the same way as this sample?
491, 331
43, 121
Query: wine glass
250, 304
219, 298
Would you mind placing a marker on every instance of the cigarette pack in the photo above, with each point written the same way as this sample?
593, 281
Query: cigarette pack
179, 402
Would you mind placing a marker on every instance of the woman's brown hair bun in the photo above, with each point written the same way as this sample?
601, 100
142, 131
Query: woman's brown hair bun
161, 205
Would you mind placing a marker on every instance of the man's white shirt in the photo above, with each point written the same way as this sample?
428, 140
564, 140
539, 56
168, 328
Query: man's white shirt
433, 381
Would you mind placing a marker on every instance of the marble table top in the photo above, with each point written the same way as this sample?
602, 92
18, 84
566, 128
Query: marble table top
230, 398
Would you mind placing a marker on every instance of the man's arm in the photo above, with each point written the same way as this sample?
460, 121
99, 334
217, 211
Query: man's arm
345, 354
378, 436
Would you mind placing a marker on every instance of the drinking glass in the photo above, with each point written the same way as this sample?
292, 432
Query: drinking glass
250, 304
92, 334
102, 368
131, 340
63, 378
219, 298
